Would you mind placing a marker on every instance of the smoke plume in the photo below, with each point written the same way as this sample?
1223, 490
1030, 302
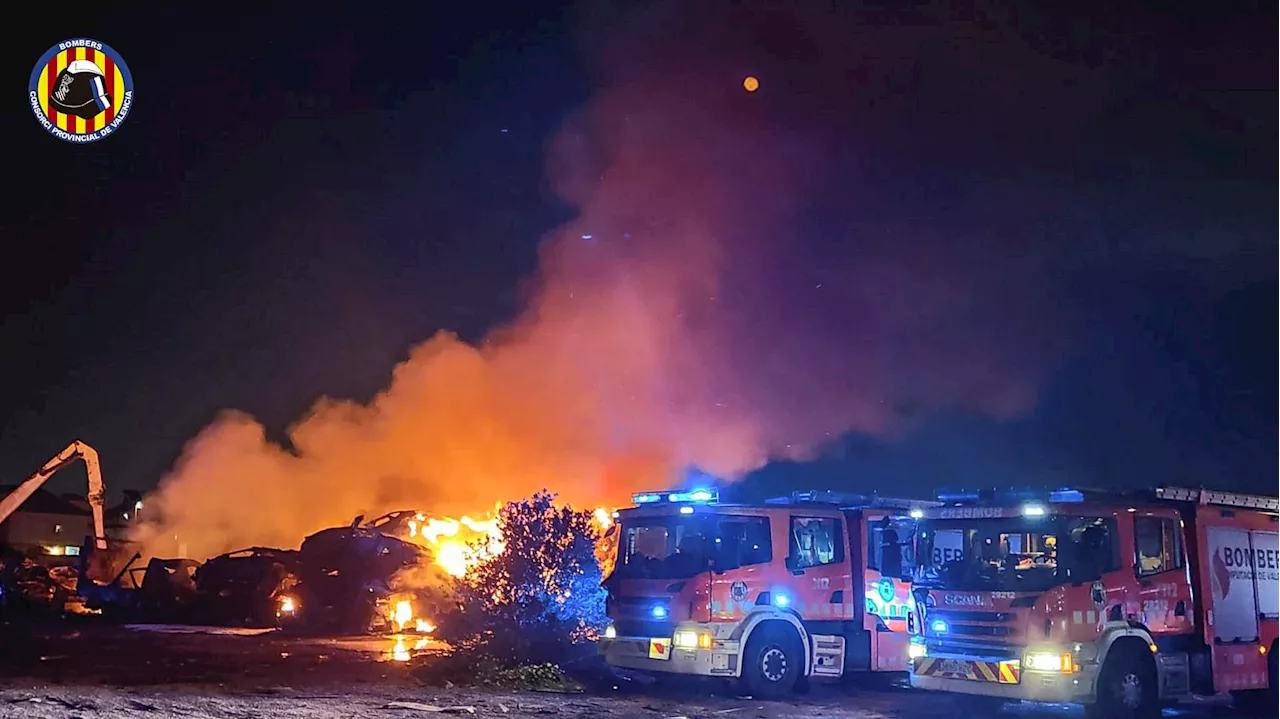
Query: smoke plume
735, 287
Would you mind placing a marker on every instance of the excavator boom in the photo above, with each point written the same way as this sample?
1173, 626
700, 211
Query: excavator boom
97, 490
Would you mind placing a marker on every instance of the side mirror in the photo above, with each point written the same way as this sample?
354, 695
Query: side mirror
793, 566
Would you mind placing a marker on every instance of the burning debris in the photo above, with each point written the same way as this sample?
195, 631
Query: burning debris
396, 574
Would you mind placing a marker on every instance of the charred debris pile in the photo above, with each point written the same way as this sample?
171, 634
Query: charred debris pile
366, 577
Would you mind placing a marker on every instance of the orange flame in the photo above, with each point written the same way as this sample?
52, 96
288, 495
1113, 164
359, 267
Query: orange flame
460, 544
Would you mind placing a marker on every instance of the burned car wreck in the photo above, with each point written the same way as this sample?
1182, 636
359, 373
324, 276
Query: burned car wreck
355, 579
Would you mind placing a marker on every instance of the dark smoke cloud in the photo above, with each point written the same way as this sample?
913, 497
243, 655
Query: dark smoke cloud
749, 276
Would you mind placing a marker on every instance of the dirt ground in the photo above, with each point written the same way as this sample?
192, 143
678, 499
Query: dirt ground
84, 670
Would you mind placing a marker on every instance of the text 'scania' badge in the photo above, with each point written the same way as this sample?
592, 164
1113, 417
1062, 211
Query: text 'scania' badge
81, 90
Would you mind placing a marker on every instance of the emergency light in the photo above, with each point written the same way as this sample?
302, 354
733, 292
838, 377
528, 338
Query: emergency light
1012, 494
1066, 495
696, 495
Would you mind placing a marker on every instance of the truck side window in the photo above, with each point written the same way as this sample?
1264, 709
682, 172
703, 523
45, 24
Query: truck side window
1158, 545
751, 538
816, 541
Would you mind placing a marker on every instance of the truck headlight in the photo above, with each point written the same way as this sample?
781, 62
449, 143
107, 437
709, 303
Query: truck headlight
687, 639
610, 632
1049, 662
916, 650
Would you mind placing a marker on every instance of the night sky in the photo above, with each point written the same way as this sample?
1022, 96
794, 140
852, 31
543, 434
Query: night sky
1086, 197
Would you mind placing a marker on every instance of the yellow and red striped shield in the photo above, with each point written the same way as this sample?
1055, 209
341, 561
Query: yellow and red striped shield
1006, 672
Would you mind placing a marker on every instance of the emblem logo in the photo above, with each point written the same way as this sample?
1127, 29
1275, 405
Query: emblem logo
80, 90
738, 590
886, 590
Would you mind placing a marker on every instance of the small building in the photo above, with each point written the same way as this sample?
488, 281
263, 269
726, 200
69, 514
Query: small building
46, 525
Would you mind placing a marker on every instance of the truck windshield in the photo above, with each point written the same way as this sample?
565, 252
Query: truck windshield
1014, 554
680, 546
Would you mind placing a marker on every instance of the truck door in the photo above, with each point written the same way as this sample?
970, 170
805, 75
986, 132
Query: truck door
1234, 611
819, 563
1159, 565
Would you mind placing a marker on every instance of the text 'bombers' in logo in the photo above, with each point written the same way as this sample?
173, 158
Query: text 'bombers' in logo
81, 90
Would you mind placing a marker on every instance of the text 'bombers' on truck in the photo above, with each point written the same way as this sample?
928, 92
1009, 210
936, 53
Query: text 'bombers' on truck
772, 593
1118, 602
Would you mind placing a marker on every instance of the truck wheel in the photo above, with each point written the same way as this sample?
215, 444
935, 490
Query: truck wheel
1127, 686
771, 664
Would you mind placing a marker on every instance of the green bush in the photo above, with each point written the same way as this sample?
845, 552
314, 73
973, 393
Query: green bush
538, 602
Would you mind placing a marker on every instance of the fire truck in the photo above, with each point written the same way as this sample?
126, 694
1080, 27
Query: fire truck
1120, 602
810, 585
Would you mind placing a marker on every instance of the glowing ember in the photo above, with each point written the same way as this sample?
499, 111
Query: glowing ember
400, 651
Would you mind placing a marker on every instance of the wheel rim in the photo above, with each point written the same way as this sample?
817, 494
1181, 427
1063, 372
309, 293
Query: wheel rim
1131, 690
773, 664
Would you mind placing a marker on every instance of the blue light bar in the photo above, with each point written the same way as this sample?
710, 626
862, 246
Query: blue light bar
1066, 495
939, 626
646, 498
697, 495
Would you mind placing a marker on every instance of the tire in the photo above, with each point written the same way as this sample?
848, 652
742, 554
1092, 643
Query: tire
771, 665
1127, 685
1249, 702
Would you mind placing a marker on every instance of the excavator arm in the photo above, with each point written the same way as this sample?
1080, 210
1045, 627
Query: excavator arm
97, 490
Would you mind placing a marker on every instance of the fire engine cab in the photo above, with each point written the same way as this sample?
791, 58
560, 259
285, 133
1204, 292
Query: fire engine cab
1118, 602
770, 594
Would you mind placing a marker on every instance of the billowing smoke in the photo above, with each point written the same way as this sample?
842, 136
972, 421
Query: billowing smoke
714, 303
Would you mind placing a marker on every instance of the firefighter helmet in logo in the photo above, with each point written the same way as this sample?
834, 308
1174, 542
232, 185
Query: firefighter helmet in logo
80, 90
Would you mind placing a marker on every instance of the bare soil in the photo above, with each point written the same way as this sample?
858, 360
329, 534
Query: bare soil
85, 669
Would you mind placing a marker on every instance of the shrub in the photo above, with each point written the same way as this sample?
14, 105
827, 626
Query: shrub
539, 599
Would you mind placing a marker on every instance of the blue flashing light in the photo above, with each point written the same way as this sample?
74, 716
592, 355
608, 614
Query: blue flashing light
686, 510
658, 612
961, 495
781, 600
939, 627
697, 495
1066, 495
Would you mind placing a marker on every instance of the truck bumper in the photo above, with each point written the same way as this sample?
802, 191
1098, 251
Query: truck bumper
633, 653
1036, 686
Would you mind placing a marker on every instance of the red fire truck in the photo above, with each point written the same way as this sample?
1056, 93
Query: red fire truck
1118, 602
770, 594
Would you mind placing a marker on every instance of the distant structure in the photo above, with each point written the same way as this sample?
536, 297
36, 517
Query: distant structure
46, 525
